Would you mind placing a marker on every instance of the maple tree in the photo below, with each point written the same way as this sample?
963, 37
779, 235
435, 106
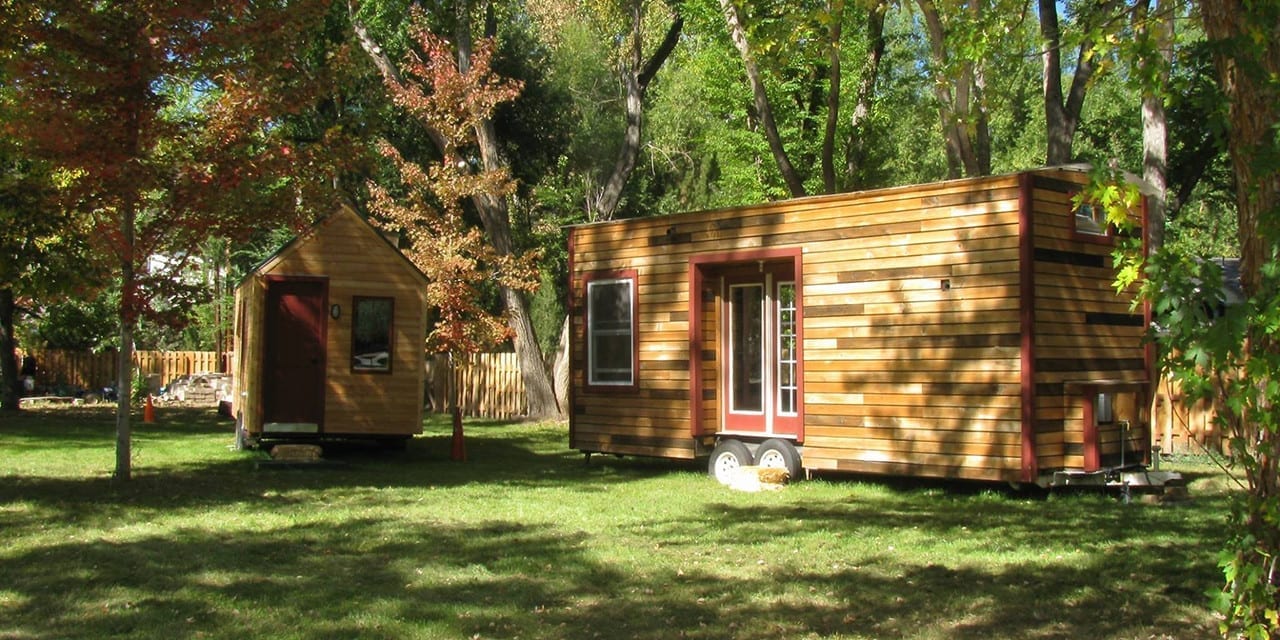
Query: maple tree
1246, 37
428, 212
156, 116
475, 142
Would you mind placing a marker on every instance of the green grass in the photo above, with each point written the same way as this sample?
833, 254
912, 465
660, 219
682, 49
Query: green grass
524, 540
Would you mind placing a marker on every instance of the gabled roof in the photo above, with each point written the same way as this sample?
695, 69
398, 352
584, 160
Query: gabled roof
316, 228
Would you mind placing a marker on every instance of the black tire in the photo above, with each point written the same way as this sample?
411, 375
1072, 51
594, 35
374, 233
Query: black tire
780, 454
726, 458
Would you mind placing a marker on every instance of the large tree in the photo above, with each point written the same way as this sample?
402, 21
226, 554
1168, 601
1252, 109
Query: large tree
959, 82
1246, 38
1153, 26
762, 106
1063, 106
41, 254
110, 95
638, 72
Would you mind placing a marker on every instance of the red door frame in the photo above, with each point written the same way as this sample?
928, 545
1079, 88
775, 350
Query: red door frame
314, 407
699, 266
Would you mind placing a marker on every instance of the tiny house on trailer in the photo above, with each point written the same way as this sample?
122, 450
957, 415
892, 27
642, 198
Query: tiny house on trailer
966, 329
329, 338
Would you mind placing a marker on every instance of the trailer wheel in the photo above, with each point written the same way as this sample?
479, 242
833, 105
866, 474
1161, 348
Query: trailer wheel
726, 458
780, 454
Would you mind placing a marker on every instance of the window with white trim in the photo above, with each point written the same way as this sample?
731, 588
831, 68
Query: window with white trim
1091, 220
611, 331
788, 364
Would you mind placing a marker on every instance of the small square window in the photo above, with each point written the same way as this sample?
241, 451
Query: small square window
371, 334
1104, 408
1091, 220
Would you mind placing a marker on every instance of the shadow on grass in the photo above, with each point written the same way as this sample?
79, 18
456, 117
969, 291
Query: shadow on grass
184, 461
719, 565
387, 577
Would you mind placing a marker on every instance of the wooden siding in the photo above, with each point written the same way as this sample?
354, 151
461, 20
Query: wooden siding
911, 335
356, 261
246, 399
913, 325
1084, 331
910, 325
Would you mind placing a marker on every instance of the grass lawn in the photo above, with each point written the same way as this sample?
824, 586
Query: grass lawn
525, 541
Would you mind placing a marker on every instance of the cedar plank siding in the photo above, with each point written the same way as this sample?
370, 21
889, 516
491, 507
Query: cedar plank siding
357, 262
911, 324
1084, 332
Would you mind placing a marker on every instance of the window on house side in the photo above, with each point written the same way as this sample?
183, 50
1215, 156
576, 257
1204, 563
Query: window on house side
1104, 408
1091, 220
611, 332
371, 324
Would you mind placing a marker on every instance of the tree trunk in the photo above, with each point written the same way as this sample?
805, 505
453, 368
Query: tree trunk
760, 99
10, 385
560, 368
1251, 117
836, 7
1155, 130
1062, 117
856, 148
494, 218
956, 94
635, 81
1243, 73
1245, 37
124, 355
497, 223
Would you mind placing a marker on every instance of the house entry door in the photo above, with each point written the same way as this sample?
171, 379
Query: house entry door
294, 355
761, 385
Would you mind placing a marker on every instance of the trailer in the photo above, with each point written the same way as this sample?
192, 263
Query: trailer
329, 339
966, 329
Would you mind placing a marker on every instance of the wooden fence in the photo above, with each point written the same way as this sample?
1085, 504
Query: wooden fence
62, 372
489, 384
1177, 428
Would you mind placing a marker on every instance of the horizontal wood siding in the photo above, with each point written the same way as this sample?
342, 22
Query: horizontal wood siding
912, 334
653, 418
910, 323
711, 397
1085, 331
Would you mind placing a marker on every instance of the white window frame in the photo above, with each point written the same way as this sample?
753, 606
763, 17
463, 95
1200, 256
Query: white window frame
593, 331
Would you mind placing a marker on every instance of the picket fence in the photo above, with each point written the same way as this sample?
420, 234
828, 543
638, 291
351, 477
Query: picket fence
489, 384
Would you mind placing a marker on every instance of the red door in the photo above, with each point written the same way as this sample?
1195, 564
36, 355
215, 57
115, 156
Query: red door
294, 353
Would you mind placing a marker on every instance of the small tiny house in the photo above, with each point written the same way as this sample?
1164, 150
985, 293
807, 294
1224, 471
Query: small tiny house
329, 338
965, 329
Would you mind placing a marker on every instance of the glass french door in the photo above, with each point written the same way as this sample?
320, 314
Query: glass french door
762, 386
